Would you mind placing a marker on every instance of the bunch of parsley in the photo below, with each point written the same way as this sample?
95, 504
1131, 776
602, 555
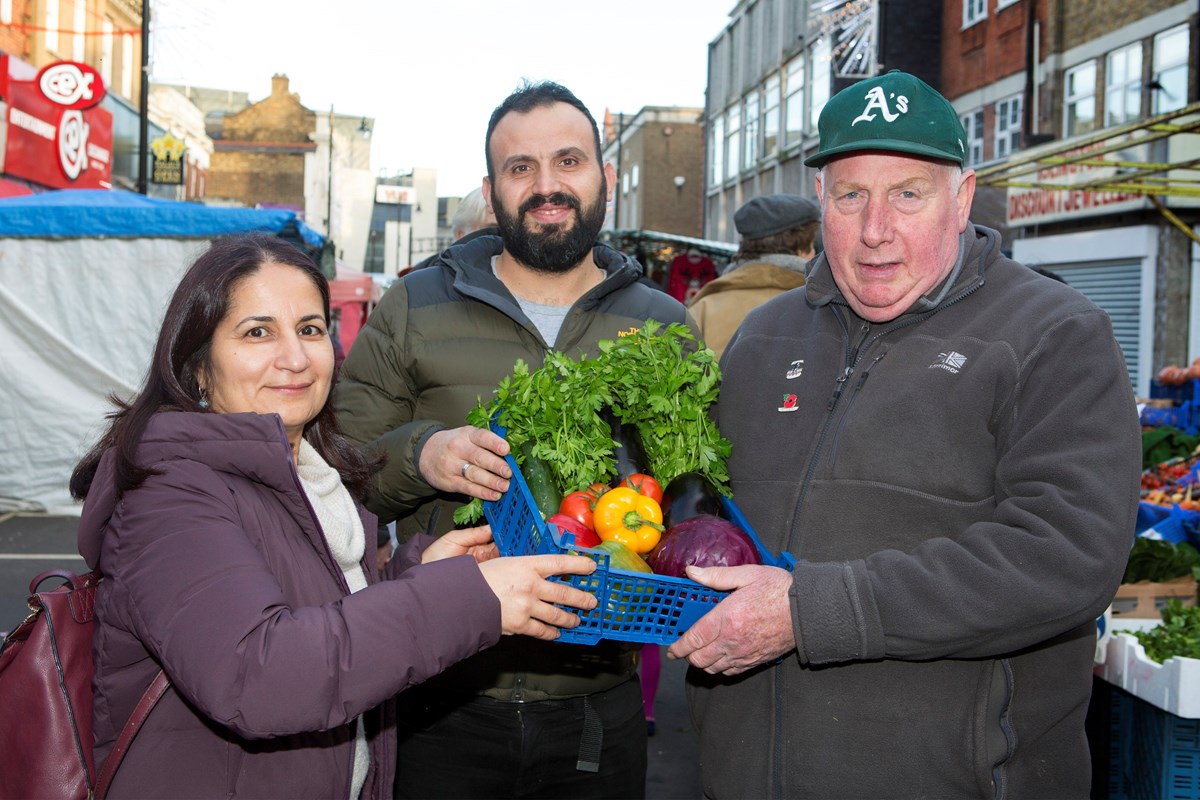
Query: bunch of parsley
657, 378
1178, 635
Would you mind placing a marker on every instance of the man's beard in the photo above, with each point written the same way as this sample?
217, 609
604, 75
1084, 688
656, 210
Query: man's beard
554, 248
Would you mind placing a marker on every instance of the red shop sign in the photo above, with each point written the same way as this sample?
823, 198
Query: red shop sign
60, 144
71, 84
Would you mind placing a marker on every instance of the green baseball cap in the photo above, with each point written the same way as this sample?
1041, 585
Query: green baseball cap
895, 111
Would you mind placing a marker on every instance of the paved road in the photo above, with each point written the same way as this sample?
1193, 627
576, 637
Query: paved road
30, 544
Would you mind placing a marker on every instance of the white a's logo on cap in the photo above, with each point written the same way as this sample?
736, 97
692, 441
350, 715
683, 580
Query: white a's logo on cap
877, 100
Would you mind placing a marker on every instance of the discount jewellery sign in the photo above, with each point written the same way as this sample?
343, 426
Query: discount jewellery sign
1075, 183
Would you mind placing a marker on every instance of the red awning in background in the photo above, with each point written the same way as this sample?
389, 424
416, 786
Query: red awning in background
13, 188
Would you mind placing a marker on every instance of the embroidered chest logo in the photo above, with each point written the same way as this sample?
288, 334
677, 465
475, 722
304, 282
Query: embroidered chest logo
795, 370
789, 403
877, 100
951, 362
627, 332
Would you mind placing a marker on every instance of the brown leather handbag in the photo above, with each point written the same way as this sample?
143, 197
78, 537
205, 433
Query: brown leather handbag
46, 697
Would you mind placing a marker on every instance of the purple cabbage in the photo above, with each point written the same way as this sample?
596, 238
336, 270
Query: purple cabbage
702, 541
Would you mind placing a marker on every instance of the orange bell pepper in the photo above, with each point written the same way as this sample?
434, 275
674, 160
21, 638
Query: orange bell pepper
630, 518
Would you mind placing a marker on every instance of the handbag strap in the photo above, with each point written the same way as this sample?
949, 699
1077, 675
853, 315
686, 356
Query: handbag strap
140, 712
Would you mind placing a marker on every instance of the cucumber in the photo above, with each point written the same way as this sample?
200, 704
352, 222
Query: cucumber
541, 482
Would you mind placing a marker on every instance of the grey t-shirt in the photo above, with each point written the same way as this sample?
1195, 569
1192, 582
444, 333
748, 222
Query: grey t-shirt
547, 319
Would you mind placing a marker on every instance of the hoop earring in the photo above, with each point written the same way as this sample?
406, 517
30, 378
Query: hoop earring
203, 398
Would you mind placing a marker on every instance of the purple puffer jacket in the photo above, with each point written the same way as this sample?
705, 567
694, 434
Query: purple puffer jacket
217, 570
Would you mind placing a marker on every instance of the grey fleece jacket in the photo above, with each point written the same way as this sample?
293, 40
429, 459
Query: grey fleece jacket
959, 488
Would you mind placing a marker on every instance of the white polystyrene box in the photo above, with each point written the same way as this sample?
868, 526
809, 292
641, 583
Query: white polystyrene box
1173, 686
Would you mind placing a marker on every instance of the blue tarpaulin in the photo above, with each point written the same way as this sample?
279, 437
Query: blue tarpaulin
100, 213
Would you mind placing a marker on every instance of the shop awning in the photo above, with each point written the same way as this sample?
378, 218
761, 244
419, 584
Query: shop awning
91, 213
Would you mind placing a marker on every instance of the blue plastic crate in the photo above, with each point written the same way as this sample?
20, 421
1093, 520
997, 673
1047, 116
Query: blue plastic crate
634, 606
1157, 753
1175, 525
1188, 391
1182, 417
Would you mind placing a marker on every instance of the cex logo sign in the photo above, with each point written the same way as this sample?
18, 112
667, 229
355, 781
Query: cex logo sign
71, 85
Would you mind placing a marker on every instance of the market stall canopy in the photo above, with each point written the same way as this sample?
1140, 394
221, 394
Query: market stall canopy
1151, 162
85, 277
99, 212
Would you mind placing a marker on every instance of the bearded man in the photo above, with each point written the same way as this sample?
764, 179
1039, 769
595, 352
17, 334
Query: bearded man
526, 717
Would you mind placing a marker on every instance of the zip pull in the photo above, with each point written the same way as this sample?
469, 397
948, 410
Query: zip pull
841, 384
867, 371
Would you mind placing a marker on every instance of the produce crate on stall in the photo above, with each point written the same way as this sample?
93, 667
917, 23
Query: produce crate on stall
1154, 723
633, 606
1157, 754
1184, 413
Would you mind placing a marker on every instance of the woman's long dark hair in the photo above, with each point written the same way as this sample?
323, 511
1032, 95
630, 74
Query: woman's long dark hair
184, 348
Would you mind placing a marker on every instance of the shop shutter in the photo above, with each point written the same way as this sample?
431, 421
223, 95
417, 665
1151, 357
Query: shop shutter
1117, 288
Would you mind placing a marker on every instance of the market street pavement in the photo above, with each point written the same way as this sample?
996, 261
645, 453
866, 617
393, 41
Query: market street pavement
33, 543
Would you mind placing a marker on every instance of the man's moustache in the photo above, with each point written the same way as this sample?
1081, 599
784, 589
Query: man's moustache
556, 199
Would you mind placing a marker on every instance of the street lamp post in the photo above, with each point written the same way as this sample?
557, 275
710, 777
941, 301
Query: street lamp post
329, 182
144, 101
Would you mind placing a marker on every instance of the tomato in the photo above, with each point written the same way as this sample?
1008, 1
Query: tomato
580, 506
645, 485
584, 536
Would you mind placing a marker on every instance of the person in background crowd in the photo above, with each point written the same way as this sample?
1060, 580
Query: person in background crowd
472, 215
219, 505
778, 234
526, 717
958, 484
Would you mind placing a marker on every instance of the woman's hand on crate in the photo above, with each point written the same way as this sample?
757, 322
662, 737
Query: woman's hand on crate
474, 542
528, 602
466, 460
750, 627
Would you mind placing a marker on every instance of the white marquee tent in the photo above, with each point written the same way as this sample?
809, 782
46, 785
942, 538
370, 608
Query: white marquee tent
84, 278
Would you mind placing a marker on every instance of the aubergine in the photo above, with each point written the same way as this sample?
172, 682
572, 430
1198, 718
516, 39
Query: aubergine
627, 450
688, 495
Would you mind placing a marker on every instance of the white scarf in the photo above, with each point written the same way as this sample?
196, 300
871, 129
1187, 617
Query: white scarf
339, 520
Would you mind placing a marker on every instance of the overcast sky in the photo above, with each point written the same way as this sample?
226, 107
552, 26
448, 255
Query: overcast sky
431, 71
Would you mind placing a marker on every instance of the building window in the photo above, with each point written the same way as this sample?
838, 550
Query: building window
1008, 126
1004, 3
106, 51
624, 183
80, 30
770, 117
52, 24
1171, 69
750, 136
1080, 99
973, 124
716, 143
733, 140
1123, 85
793, 110
822, 79
973, 11
5, 12
127, 66
635, 176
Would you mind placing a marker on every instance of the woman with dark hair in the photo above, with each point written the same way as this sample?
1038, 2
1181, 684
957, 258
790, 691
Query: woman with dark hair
219, 505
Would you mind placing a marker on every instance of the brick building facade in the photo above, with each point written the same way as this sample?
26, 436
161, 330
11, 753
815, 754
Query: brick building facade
659, 158
1043, 79
260, 157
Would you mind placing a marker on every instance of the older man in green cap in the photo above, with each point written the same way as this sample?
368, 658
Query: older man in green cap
948, 445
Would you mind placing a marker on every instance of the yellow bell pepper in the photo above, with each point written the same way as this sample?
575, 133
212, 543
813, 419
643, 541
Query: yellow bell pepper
625, 516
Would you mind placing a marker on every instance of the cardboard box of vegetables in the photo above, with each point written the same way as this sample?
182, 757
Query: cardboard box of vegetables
616, 457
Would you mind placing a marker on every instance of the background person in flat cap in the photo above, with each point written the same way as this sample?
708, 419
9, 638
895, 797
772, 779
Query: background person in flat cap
947, 443
779, 232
